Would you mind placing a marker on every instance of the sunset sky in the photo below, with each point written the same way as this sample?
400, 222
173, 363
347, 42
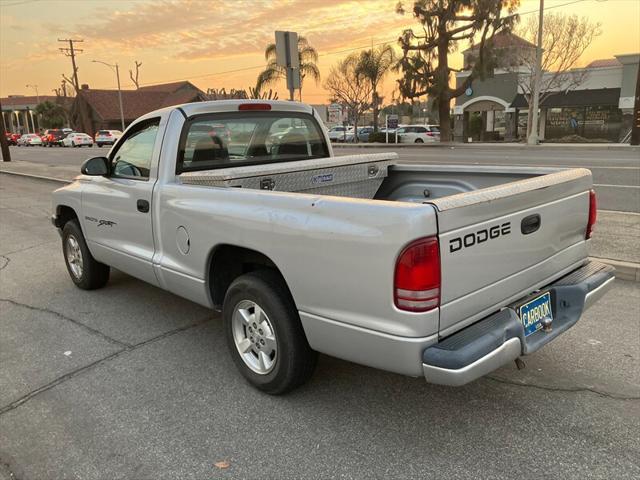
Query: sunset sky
221, 43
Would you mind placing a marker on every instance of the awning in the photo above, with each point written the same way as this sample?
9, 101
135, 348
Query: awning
575, 98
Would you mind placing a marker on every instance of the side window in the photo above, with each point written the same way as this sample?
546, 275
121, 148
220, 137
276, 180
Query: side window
421, 130
133, 157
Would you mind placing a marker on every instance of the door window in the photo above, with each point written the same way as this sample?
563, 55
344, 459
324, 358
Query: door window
133, 157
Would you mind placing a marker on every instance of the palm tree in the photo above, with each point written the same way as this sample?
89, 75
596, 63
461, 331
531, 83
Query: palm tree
374, 64
308, 58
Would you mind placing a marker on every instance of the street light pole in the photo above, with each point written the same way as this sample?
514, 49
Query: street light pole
533, 137
117, 70
35, 87
120, 98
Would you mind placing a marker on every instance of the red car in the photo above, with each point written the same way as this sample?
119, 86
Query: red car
12, 138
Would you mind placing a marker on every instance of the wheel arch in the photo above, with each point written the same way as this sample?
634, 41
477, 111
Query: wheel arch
64, 214
227, 262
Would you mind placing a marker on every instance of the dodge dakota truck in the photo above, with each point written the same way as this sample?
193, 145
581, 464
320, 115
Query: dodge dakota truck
446, 272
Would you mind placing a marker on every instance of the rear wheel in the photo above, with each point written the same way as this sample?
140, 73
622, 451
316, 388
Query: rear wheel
85, 271
419, 140
264, 333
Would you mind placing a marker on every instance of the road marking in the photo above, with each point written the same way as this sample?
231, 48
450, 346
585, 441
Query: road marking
618, 211
615, 186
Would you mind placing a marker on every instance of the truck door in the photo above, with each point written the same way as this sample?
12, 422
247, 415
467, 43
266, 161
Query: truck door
116, 209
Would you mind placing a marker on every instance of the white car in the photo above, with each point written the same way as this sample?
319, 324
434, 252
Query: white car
77, 140
418, 134
339, 133
29, 140
107, 137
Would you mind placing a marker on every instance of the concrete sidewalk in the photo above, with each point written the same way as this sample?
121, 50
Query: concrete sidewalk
60, 173
616, 239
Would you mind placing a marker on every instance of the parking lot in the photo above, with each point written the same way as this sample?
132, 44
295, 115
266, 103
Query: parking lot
133, 382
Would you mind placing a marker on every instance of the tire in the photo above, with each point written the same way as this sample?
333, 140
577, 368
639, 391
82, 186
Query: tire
99, 145
419, 140
91, 274
287, 359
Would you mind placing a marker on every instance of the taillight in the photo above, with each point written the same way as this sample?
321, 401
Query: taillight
417, 276
430, 134
593, 213
254, 106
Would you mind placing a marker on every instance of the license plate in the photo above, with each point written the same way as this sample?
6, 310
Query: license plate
534, 312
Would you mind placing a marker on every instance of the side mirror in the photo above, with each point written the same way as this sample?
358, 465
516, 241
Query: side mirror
96, 166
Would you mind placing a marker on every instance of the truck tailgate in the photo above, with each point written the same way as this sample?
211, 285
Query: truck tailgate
500, 243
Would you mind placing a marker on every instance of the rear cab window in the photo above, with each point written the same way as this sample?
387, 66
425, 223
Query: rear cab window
235, 139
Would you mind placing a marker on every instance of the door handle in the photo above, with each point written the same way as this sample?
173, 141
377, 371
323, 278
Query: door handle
530, 224
143, 206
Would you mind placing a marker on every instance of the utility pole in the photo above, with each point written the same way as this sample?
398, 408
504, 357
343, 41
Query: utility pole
71, 52
635, 126
4, 146
533, 137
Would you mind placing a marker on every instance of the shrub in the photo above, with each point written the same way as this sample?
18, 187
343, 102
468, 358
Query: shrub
381, 137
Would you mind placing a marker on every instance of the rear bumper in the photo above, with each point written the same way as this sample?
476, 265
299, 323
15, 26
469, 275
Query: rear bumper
498, 339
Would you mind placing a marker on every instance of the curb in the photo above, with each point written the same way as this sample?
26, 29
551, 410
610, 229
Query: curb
624, 270
452, 145
35, 177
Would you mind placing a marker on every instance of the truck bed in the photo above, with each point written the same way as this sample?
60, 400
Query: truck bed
479, 275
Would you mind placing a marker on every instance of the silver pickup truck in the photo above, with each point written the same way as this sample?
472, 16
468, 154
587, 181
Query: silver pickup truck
446, 272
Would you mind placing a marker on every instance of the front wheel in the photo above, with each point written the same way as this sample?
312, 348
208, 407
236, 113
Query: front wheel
264, 334
85, 271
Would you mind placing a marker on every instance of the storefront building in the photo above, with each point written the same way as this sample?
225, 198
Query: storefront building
599, 109
18, 112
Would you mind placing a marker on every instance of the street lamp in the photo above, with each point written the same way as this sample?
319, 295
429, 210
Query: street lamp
35, 87
115, 69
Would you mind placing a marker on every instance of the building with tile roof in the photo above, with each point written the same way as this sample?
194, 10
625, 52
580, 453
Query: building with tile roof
101, 108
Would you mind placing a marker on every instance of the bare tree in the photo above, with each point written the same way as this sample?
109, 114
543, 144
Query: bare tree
134, 79
351, 88
445, 23
564, 39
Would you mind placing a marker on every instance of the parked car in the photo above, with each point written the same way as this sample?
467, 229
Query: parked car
77, 140
444, 272
54, 137
363, 133
417, 134
29, 140
15, 137
107, 137
12, 138
338, 133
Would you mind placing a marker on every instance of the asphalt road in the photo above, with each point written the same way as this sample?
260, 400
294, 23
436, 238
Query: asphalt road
133, 382
616, 172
